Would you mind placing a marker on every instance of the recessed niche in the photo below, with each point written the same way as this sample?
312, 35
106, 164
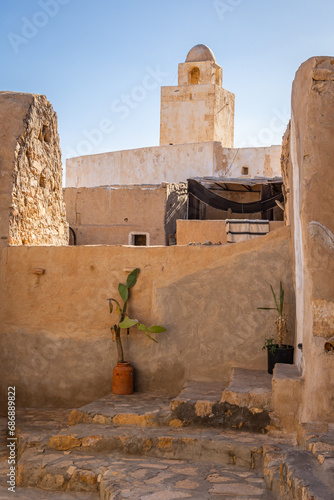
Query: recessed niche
194, 76
44, 134
42, 181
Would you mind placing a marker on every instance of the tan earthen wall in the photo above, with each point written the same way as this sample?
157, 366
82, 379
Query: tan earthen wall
32, 209
107, 215
199, 231
312, 192
56, 345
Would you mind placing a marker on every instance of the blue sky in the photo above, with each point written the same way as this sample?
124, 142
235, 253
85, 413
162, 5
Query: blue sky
92, 57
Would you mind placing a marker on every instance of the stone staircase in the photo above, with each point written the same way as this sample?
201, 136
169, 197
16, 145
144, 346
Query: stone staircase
205, 443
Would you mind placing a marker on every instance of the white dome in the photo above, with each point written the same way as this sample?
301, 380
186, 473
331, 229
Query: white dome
200, 53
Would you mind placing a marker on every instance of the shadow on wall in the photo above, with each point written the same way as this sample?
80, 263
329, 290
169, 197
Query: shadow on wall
56, 348
176, 208
215, 312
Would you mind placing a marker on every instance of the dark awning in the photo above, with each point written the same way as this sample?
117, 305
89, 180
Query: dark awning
203, 194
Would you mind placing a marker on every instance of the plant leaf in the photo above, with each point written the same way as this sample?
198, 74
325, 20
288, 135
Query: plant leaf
132, 278
156, 329
281, 298
123, 291
272, 290
128, 322
149, 336
141, 327
268, 308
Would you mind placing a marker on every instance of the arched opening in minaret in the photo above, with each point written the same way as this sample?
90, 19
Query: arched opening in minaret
194, 76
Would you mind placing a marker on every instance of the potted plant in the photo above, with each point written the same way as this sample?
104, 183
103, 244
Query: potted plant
277, 349
122, 382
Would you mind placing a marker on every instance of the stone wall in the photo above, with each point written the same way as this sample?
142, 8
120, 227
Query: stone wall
285, 166
56, 346
32, 207
197, 113
110, 215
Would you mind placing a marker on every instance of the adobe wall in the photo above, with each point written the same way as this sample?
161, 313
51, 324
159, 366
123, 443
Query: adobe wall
108, 215
59, 351
171, 164
32, 211
199, 231
312, 193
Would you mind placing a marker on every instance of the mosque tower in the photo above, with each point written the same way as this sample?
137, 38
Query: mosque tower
198, 109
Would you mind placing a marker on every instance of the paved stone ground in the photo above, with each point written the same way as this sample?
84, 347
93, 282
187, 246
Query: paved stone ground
35, 494
175, 479
104, 454
140, 478
117, 477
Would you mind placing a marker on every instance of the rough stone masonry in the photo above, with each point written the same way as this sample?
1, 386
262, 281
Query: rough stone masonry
32, 207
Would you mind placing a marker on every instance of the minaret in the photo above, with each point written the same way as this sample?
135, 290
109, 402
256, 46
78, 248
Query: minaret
198, 109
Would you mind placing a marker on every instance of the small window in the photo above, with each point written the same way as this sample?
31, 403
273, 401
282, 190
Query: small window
244, 171
139, 239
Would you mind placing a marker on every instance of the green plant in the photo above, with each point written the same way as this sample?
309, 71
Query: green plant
124, 321
281, 327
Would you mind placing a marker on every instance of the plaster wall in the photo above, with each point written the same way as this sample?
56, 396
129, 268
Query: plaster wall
171, 164
260, 162
32, 210
108, 215
196, 113
199, 231
312, 178
56, 346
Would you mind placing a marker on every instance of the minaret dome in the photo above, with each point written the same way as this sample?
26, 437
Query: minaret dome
200, 53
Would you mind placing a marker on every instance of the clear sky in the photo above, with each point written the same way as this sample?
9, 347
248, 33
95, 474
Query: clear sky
101, 63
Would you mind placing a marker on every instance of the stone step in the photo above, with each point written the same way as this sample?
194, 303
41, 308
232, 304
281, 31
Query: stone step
250, 389
319, 440
199, 403
302, 473
138, 478
297, 474
244, 405
36, 494
227, 447
138, 409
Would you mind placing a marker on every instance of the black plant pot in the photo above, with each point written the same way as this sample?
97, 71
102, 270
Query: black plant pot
282, 354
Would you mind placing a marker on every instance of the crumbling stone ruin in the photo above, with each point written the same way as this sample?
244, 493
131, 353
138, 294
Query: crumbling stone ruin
32, 209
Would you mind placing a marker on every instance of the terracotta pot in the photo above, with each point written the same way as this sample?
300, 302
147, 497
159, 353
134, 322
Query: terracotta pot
122, 380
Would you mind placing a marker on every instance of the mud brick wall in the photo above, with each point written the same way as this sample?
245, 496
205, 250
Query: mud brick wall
32, 208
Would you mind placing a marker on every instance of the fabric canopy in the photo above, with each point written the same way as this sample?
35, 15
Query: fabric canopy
214, 200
